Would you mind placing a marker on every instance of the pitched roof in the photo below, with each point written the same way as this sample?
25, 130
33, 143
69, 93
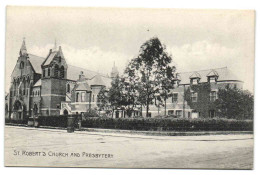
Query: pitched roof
82, 87
36, 62
97, 80
38, 83
195, 75
224, 74
73, 71
50, 58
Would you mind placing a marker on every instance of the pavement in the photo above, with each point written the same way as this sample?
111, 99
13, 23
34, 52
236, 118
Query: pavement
56, 148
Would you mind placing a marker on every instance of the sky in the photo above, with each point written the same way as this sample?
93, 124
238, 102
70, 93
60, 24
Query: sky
95, 38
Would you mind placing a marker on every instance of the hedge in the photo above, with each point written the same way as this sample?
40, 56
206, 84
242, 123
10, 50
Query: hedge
166, 124
55, 121
148, 124
16, 121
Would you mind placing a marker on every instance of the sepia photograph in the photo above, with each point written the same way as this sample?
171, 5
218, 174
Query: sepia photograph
129, 88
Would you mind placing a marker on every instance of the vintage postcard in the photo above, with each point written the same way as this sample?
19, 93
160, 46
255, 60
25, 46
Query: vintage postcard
129, 88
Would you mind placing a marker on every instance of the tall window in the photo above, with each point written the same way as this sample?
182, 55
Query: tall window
83, 96
62, 72
24, 86
194, 96
21, 65
68, 88
49, 72
43, 73
213, 96
56, 71
93, 97
212, 113
77, 97
175, 98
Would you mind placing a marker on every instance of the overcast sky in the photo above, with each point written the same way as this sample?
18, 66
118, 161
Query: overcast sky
94, 38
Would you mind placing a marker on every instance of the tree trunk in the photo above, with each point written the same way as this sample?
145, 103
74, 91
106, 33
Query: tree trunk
112, 113
147, 109
165, 108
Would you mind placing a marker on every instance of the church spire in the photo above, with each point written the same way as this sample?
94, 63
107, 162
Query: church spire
114, 72
23, 50
55, 45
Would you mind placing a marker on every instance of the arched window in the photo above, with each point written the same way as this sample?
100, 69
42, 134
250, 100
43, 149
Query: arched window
21, 65
24, 86
35, 109
62, 72
68, 88
56, 71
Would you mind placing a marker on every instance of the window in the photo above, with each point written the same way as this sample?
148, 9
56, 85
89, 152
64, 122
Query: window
212, 113
171, 112
179, 113
68, 88
77, 97
62, 72
83, 96
93, 98
213, 96
43, 73
58, 106
194, 96
56, 71
175, 97
175, 83
21, 65
49, 72
194, 81
212, 79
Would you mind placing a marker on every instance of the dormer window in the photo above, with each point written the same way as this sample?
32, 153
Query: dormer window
175, 83
194, 78
212, 79
212, 76
194, 81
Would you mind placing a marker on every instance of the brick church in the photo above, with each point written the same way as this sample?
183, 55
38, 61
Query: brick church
44, 86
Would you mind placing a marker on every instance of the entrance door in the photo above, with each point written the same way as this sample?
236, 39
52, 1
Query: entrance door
117, 114
65, 112
18, 110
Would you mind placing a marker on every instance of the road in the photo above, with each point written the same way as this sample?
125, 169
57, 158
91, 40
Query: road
57, 148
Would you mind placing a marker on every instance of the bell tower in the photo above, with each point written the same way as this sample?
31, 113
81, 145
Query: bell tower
54, 77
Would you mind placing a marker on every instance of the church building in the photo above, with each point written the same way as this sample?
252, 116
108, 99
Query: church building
49, 86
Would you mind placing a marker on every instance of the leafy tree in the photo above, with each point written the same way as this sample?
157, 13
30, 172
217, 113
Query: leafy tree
102, 100
150, 73
235, 103
115, 94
